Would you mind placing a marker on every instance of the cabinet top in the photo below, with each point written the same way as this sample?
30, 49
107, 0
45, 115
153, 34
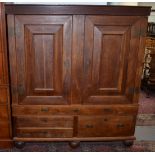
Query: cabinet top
77, 9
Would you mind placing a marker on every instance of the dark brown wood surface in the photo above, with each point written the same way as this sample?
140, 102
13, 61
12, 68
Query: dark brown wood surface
78, 9
5, 110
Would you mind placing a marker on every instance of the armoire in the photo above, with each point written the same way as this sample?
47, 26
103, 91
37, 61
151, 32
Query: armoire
70, 72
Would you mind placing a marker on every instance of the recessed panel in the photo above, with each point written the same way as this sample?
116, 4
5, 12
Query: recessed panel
107, 60
44, 61
110, 56
43, 49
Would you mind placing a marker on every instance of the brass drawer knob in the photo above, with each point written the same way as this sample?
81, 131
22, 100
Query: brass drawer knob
89, 126
45, 109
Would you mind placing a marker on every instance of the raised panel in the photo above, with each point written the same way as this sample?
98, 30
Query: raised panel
107, 60
108, 78
43, 59
109, 57
43, 62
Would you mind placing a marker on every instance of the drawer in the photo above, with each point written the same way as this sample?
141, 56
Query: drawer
3, 95
44, 132
54, 121
3, 113
4, 130
75, 110
99, 126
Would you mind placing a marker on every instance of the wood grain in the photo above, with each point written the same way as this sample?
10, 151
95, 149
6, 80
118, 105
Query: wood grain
78, 10
5, 110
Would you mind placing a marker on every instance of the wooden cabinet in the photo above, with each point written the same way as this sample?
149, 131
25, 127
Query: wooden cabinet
74, 71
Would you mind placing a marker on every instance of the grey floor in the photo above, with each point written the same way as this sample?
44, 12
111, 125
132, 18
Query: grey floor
145, 133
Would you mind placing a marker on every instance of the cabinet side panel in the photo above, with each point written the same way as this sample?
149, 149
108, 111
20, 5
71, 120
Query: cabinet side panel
5, 123
143, 30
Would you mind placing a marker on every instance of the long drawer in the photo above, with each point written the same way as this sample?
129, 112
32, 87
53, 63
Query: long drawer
52, 121
106, 126
44, 132
43, 127
75, 110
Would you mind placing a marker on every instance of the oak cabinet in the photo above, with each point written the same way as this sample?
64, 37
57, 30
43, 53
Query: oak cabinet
74, 71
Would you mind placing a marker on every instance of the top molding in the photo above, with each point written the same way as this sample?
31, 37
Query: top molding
20, 9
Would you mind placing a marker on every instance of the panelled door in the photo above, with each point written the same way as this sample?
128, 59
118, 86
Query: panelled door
40, 58
111, 54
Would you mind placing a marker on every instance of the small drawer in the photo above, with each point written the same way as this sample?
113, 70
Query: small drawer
3, 113
44, 132
3, 95
4, 130
54, 121
99, 126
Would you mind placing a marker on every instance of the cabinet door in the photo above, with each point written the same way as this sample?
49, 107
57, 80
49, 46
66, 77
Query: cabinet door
111, 58
40, 58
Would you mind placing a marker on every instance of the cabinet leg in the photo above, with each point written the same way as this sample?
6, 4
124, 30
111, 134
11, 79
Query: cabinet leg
19, 144
128, 142
74, 144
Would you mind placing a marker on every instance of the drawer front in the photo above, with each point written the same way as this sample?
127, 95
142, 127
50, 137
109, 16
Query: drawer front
4, 130
44, 133
75, 110
99, 126
54, 121
3, 113
3, 95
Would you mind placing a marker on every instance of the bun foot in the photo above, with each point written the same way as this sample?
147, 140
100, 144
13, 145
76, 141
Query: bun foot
74, 144
19, 144
128, 142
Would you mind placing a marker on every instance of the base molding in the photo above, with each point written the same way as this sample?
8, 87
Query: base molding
75, 139
6, 143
